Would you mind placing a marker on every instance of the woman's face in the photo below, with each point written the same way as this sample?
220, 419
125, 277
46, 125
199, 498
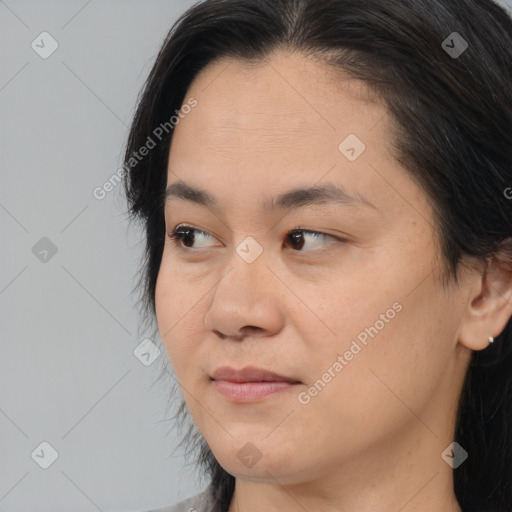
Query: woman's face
350, 307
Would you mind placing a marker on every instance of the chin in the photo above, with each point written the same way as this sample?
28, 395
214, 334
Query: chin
254, 460
262, 471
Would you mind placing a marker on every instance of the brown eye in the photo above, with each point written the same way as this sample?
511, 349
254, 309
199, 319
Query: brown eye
185, 236
298, 238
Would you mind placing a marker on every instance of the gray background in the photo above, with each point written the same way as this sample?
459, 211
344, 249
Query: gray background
69, 328
68, 375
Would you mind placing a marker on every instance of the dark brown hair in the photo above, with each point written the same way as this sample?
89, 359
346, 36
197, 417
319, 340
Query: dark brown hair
454, 136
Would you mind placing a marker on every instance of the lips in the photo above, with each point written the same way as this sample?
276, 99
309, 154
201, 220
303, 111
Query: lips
249, 374
250, 384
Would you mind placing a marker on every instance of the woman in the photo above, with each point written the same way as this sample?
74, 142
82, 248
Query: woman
329, 250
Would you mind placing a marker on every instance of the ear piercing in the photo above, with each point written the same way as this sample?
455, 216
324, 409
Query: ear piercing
491, 339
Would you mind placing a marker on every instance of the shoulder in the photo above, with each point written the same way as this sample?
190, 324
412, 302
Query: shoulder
202, 502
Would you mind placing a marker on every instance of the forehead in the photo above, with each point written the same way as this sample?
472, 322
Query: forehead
278, 123
287, 103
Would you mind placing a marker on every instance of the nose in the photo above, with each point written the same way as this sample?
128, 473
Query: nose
245, 302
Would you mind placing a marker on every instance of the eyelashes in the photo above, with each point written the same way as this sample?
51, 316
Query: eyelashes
184, 234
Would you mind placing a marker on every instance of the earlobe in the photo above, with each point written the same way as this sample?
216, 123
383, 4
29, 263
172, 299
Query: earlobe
489, 306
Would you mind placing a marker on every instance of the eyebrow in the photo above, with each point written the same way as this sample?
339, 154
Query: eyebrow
292, 199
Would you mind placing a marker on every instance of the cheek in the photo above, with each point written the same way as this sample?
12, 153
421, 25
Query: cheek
388, 327
175, 304
395, 350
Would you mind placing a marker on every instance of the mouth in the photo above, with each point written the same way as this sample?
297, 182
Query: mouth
250, 384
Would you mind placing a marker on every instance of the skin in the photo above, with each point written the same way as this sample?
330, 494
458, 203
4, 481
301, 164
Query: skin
372, 438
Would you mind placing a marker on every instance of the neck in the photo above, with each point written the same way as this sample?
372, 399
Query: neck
406, 475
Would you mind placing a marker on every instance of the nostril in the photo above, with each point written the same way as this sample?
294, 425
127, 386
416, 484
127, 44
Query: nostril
248, 330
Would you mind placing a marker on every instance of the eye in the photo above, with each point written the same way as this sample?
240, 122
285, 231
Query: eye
298, 239
185, 236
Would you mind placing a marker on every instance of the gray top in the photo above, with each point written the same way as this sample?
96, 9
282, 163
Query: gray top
202, 502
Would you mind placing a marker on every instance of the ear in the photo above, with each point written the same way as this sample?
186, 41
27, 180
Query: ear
489, 301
